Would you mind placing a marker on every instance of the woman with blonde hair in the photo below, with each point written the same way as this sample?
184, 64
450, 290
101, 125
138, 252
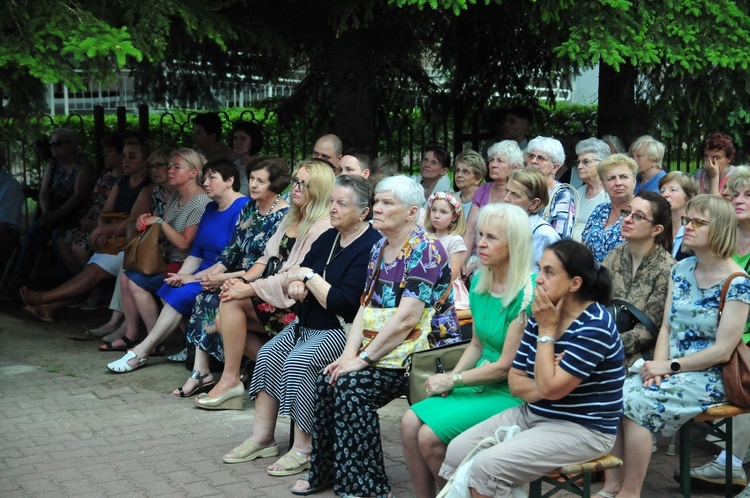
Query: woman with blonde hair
602, 231
253, 309
477, 389
179, 225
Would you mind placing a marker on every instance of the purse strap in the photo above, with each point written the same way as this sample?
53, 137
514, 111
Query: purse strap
639, 315
725, 288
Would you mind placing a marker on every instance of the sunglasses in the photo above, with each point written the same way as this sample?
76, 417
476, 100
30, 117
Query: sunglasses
295, 183
58, 143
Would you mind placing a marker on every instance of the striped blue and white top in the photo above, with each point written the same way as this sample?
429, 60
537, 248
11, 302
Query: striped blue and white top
593, 353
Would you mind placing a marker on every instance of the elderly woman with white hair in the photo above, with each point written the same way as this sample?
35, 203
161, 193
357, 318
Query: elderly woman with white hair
648, 153
504, 158
407, 277
590, 152
547, 155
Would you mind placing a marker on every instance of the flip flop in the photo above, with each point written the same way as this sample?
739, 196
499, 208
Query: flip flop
311, 490
200, 388
129, 343
293, 463
250, 450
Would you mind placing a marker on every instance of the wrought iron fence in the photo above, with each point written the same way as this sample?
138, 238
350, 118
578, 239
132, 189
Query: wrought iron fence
402, 136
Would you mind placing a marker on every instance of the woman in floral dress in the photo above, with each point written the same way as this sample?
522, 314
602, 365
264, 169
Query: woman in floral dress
684, 379
258, 221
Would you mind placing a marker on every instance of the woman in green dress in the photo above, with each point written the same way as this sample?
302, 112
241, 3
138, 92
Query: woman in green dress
477, 388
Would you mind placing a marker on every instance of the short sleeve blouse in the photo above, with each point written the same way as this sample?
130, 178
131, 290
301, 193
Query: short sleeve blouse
421, 271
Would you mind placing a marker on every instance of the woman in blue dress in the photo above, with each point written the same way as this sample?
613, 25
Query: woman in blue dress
179, 289
268, 177
684, 378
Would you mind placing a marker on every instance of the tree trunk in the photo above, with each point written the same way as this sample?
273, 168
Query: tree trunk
617, 114
354, 105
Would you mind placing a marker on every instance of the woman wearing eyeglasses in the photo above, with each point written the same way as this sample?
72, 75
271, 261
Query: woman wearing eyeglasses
684, 378
640, 268
590, 153
253, 309
602, 231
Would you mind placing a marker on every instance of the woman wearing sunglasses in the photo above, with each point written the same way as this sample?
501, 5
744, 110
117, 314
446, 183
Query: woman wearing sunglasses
684, 378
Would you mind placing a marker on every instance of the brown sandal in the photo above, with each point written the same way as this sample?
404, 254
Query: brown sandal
42, 313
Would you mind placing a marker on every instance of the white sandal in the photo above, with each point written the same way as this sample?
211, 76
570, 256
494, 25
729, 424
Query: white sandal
122, 366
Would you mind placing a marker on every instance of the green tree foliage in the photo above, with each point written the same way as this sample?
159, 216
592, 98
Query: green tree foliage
62, 41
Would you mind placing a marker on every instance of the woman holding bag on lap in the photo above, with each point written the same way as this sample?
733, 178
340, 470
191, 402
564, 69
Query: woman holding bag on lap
407, 277
478, 387
179, 226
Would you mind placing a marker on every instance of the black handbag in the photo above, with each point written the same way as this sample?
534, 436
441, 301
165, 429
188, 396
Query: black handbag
272, 267
423, 364
627, 316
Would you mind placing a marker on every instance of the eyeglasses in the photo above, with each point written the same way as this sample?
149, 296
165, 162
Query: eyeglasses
636, 216
58, 143
296, 183
531, 156
157, 165
586, 162
697, 222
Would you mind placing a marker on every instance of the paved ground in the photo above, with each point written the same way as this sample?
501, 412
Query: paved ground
68, 427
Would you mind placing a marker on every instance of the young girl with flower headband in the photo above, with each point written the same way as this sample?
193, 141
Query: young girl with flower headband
445, 219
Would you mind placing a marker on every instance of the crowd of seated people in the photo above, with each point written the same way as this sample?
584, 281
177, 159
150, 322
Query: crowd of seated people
304, 282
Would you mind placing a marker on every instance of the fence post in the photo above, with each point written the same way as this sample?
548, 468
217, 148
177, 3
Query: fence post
98, 135
143, 123
122, 119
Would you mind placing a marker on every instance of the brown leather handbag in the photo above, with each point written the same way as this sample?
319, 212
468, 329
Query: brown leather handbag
143, 254
114, 242
736, 372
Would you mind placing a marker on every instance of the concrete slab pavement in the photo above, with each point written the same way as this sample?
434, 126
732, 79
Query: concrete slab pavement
68, 427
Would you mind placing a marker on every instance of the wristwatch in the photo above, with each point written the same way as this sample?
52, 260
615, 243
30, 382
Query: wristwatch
364, 356
675, 366
160, 221
308, 276
546, 338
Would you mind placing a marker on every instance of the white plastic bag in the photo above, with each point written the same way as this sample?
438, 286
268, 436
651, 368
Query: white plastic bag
458, 484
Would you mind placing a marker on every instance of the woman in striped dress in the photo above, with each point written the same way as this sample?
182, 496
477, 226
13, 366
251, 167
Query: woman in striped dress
328, 284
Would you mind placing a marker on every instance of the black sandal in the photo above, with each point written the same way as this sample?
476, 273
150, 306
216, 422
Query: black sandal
129, 343
201, 387
311, 491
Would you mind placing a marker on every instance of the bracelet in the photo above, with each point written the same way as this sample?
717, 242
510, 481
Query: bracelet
243, 279
458, 379
160, 221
